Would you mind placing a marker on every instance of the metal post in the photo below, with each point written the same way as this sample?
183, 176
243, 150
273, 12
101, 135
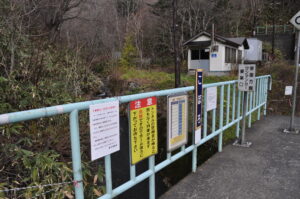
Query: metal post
242, 141
233, 102
292, 121
108, 177
249, 110
76, 155
194, 158
152, 178
266, 95
194, 153
228, 104
259, 98
296, 81
220, 141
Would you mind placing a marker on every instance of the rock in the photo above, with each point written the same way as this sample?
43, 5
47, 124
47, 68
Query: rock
133, 86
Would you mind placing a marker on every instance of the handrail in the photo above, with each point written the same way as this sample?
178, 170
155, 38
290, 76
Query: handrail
228, 112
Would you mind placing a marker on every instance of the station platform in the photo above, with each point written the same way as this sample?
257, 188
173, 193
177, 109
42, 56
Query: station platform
269, 169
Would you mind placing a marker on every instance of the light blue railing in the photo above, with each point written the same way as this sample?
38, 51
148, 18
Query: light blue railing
228, 113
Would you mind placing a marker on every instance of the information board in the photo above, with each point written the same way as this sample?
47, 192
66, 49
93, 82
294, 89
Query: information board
198, 103
247, 79
211, 98
104, 129
177, 121
143, 129
288, 90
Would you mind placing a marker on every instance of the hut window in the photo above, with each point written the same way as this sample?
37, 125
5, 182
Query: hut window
195, 55
227, 55
230, 55
204, 54
233, 55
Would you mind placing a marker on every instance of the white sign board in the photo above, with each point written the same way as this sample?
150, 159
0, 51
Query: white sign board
246, 77
288, 90
197, 135
177, 121
296, 20
211, 98
104, 129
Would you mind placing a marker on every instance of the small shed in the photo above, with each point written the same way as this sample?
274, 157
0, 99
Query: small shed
254, 53
216, 57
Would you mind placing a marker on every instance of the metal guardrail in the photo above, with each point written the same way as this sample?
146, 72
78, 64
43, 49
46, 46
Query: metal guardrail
227, 118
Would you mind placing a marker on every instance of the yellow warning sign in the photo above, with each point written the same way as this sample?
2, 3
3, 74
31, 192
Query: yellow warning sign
143, 129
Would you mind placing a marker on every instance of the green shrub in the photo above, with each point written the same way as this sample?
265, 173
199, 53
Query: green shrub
129, 53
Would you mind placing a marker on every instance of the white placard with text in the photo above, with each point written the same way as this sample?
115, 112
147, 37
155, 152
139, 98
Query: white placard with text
288, 90
104, 129
211, 98
247, 80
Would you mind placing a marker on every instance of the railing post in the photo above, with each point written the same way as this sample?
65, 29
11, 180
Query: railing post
76, 155
266, 96
245, 104
250, 109
108, 179
194, 153
152, 177
228, 104
220, 144
233, 102
259, 99
194, 159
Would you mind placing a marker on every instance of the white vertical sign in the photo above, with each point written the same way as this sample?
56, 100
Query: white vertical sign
247, 78
104, 129
211, 98
288, 90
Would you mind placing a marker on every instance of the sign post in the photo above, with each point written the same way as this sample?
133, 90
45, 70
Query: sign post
296, 22
198, 103
246, 83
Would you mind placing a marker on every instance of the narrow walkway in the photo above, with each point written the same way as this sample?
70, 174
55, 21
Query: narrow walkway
269, 169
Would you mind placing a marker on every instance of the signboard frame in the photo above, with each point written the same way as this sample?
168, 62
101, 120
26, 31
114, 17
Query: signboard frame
198, 105
130, 130
169, 122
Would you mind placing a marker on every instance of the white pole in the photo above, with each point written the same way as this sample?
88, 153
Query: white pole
296, 81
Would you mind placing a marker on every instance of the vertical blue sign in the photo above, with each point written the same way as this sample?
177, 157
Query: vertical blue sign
198, 103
